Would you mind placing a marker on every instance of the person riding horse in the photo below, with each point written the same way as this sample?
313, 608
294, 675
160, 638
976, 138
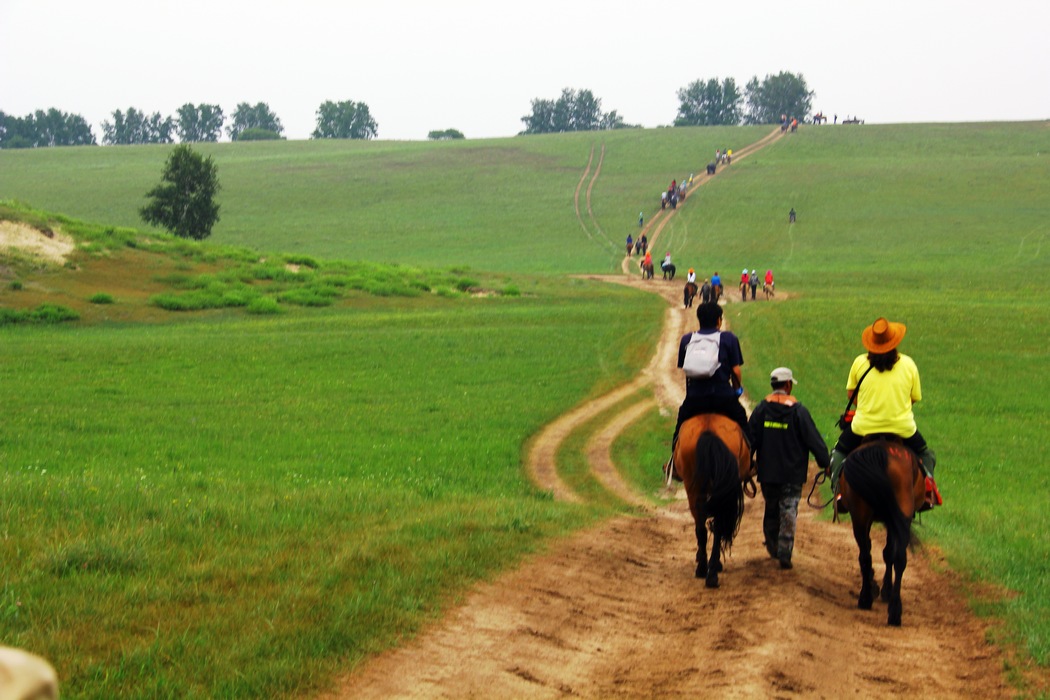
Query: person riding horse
668, 267
719, 391
884, 406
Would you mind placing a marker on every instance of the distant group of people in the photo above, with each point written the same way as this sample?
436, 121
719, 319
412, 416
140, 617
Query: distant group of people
674, 193
638, 246
785, 123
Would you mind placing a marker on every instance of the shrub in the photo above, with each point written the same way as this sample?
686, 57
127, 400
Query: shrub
16, 286
465, 284
256, 134
263, 305
101, 298
511, 291
52, 313
304, 260
305, 297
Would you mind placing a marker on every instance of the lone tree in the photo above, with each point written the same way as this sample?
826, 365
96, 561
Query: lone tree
199, 123
781, 94
575, 110
709, 103
445, 135
345, 120
247, 118
184, 202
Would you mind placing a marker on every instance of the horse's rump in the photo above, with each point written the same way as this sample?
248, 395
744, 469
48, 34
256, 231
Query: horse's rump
713, 459
884, 472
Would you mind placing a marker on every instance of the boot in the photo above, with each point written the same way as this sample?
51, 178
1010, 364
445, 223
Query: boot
837, 458
928, 461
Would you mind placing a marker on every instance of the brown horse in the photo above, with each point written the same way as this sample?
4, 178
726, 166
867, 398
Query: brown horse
713, 459
689, 294
883, 482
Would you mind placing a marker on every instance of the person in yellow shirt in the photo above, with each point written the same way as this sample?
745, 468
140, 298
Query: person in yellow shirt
885, 384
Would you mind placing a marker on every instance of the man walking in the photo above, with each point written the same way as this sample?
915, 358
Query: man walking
783, 435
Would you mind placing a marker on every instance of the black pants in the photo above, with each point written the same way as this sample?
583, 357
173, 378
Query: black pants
849, 441
728, 406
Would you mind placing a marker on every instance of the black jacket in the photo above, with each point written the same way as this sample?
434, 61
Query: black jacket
782, 436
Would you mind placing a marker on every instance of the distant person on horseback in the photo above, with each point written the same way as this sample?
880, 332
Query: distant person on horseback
752, 280
884, 400
630, 244
713, 387
784, 436
691, 276
705, 292
644, 241
716, 286
667, 261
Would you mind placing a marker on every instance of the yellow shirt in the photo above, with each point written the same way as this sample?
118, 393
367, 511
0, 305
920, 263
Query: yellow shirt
885, 398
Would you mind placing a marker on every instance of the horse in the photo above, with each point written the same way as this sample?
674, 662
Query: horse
882, 482
768, 290
668, 270
689, 294
713, 460
647, 271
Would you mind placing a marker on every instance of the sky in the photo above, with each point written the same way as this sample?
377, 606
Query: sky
476, 66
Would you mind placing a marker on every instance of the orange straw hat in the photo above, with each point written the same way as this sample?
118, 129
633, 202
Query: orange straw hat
882, 336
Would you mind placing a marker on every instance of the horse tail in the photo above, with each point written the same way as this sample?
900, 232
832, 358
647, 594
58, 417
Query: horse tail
717, 467
867, 472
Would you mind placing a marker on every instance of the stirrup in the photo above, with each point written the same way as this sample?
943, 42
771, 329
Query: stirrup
933, 495
840, 504
670, 472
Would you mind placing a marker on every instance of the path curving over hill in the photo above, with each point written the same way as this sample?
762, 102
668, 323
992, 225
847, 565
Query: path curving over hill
615, 611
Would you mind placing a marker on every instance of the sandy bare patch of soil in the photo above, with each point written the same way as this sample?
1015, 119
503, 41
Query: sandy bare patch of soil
22, 237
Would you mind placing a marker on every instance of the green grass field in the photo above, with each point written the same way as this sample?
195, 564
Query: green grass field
288, 493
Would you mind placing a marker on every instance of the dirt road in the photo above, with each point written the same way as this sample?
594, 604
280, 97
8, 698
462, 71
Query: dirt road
616, 612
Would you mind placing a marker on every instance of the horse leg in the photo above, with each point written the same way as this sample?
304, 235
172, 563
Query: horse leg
900, 562
714, 566
701, 546
862, 533
887, 579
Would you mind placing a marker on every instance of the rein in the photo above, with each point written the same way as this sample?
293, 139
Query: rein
819, 478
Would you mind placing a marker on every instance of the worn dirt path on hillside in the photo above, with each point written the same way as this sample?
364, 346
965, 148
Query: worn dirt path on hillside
615, 611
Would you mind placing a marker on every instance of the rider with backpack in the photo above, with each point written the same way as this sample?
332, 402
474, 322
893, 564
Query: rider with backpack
711, 359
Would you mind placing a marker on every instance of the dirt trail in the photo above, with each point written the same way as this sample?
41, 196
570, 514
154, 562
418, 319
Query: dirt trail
616, 612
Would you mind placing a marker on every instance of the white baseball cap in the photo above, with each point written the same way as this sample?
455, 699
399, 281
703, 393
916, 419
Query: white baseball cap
782, 374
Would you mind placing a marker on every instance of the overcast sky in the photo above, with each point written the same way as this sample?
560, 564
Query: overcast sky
476, 65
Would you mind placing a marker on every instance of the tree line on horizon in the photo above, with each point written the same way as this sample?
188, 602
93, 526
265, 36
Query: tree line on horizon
701, 103
191, 124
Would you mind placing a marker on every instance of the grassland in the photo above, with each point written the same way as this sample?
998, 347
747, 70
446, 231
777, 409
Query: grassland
288, 493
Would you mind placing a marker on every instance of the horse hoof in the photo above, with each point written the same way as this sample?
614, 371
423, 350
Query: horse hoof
701, 572
711, 582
